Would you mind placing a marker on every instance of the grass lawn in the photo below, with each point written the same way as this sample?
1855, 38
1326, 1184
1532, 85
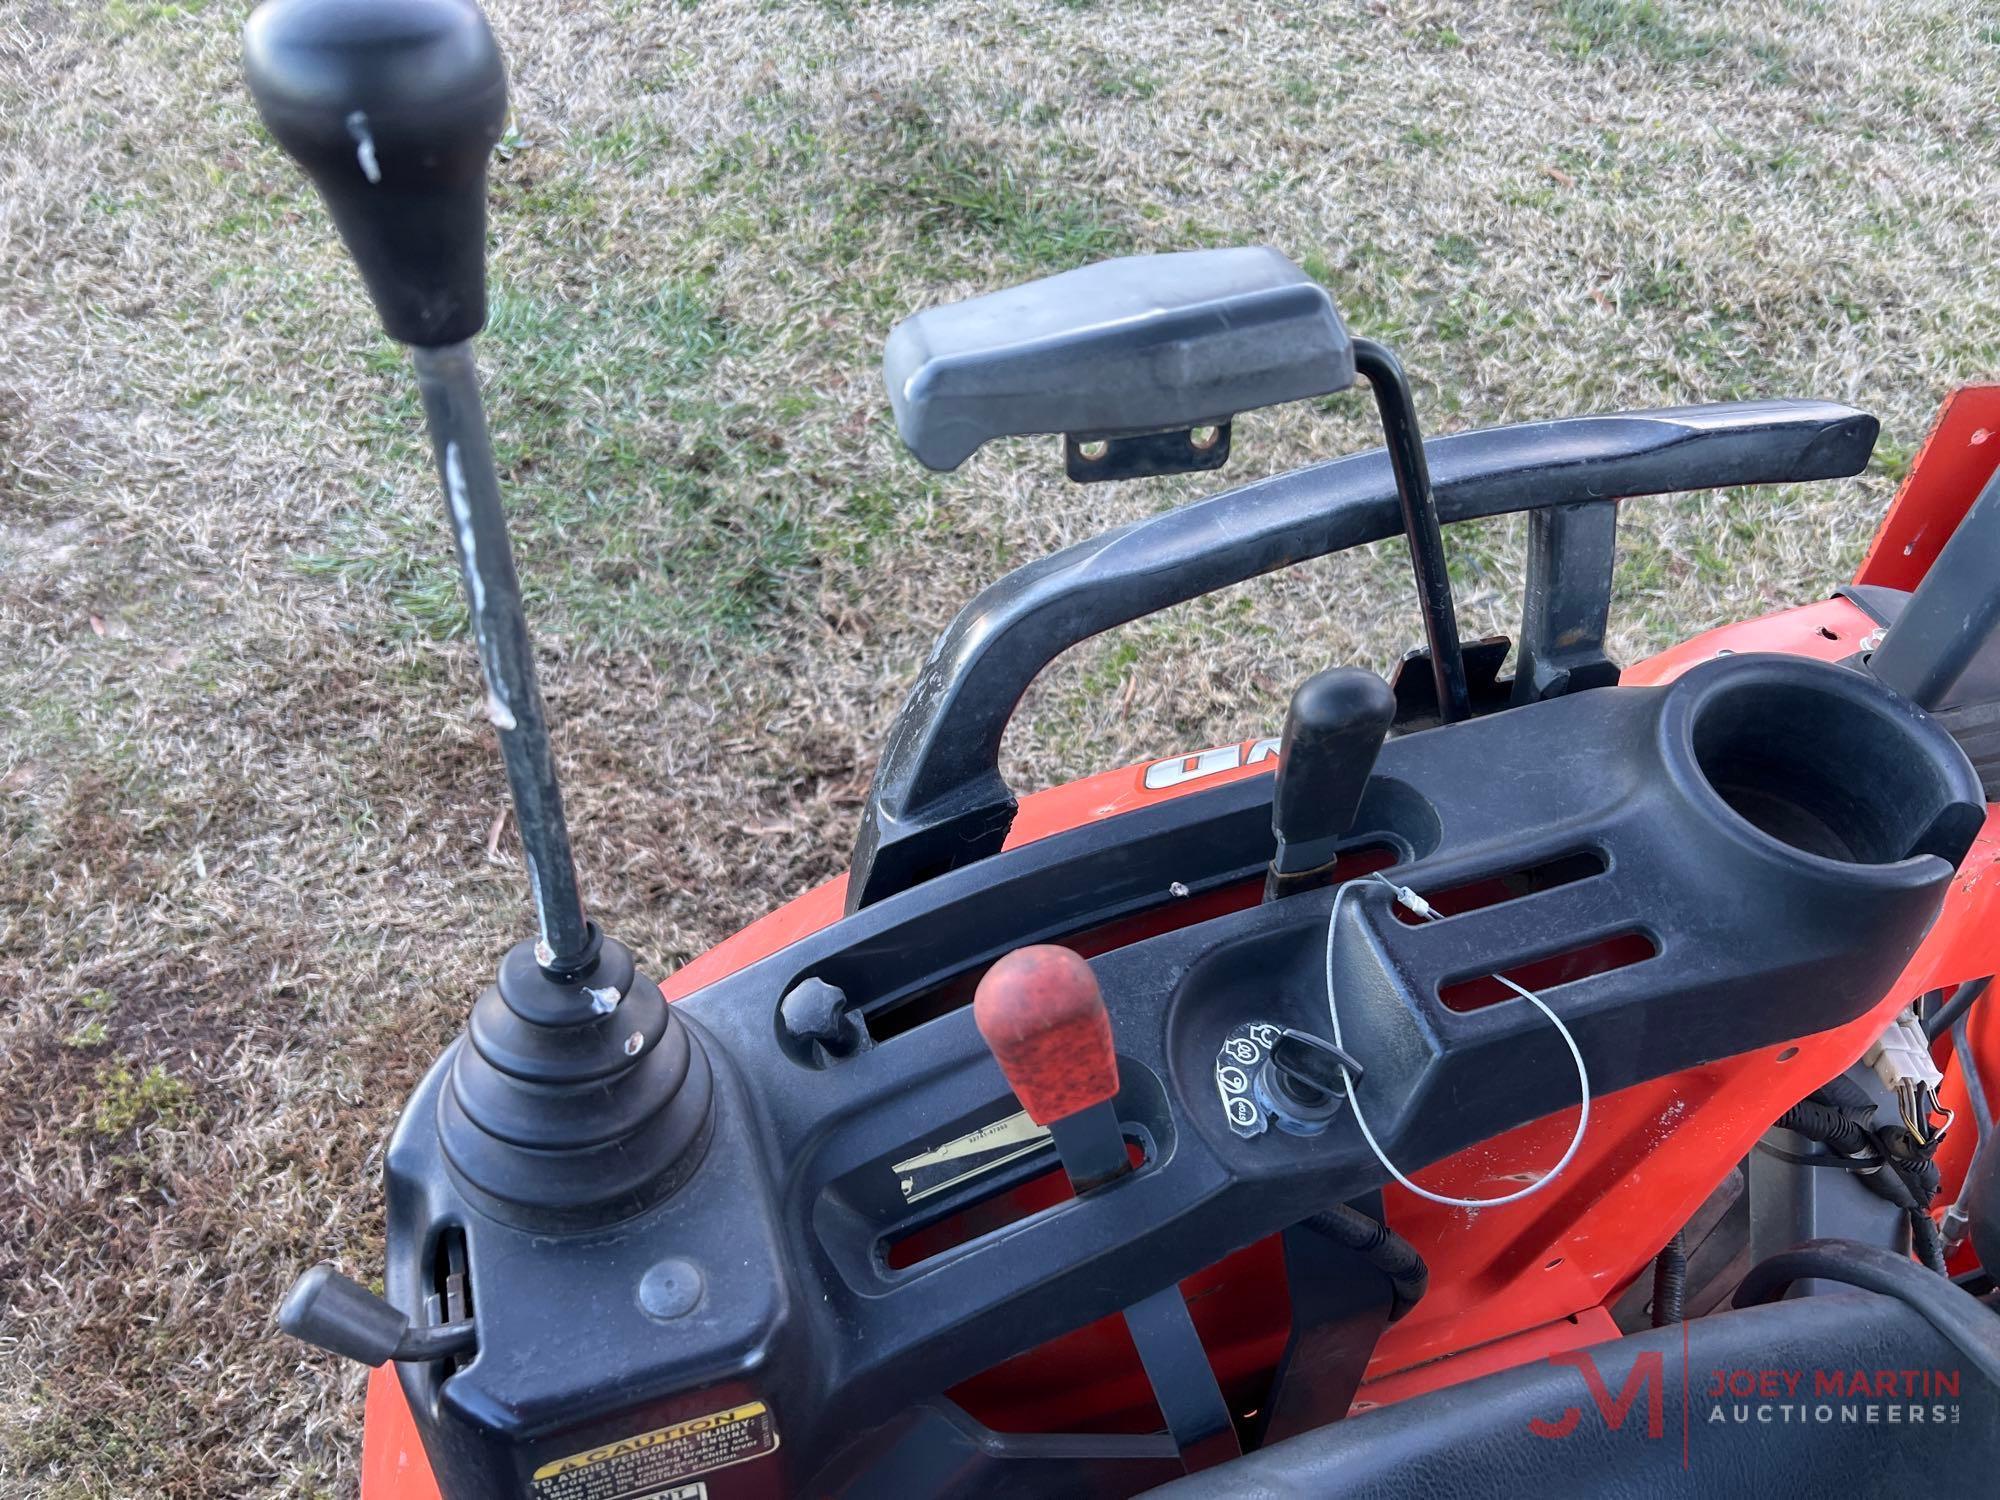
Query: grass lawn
251, 868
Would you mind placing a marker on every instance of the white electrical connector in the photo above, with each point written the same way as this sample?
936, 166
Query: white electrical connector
1901, 1057
1407, 898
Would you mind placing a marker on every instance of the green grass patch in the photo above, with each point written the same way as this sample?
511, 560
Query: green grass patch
1457, 249
868, 519
1299, 89
1114, 82
1369, 292
909, 198
961, 192
127, 16
632, 142
1892, 459
648, 507
92, 1033
126, 1099
1642, 29
1106, 674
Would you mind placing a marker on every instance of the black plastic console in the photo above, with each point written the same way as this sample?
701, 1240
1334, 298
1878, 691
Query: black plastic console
1750, 854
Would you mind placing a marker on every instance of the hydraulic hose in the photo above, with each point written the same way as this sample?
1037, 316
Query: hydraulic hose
1959, 1215
1386, 1250
1670, 1271
1975, 1086
1938, 1024
1947, 1307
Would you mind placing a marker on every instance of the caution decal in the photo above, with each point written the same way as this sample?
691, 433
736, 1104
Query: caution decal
650, 1465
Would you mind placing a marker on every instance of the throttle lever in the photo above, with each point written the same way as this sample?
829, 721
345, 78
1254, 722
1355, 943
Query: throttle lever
1042, 1014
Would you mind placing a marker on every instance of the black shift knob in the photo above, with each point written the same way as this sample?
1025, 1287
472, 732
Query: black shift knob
1337, 723
392, 108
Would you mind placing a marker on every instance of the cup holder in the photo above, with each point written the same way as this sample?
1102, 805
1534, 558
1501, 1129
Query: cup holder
1828, 762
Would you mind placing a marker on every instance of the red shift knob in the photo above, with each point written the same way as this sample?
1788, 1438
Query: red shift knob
1041, 1012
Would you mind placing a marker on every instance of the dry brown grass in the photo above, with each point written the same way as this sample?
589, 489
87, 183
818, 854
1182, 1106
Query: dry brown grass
246, 793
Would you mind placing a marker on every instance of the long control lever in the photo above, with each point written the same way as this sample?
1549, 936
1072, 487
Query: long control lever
1405, 443
578, 1098
392, 108
1043, 1016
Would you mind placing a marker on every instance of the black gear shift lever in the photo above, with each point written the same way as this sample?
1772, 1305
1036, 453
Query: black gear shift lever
392, 109
578, 1097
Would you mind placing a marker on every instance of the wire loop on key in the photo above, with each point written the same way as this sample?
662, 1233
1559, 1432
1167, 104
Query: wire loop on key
1410, 900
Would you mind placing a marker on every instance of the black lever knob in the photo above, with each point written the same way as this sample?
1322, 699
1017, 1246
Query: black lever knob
1335, 728
341, 1316
392, 108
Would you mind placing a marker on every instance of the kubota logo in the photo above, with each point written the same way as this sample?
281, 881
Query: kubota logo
1177, 770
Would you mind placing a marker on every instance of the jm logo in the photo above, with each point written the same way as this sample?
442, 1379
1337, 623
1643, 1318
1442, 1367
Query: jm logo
1648, 1374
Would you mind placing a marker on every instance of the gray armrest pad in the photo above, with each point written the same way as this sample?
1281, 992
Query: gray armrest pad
1143, 344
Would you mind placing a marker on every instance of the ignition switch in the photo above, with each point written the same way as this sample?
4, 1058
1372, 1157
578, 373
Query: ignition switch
1274, 1074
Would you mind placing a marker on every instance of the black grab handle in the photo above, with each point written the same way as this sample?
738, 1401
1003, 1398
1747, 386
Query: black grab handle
938, 800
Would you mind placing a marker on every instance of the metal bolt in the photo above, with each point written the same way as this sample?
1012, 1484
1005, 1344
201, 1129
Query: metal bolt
1957, 1224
